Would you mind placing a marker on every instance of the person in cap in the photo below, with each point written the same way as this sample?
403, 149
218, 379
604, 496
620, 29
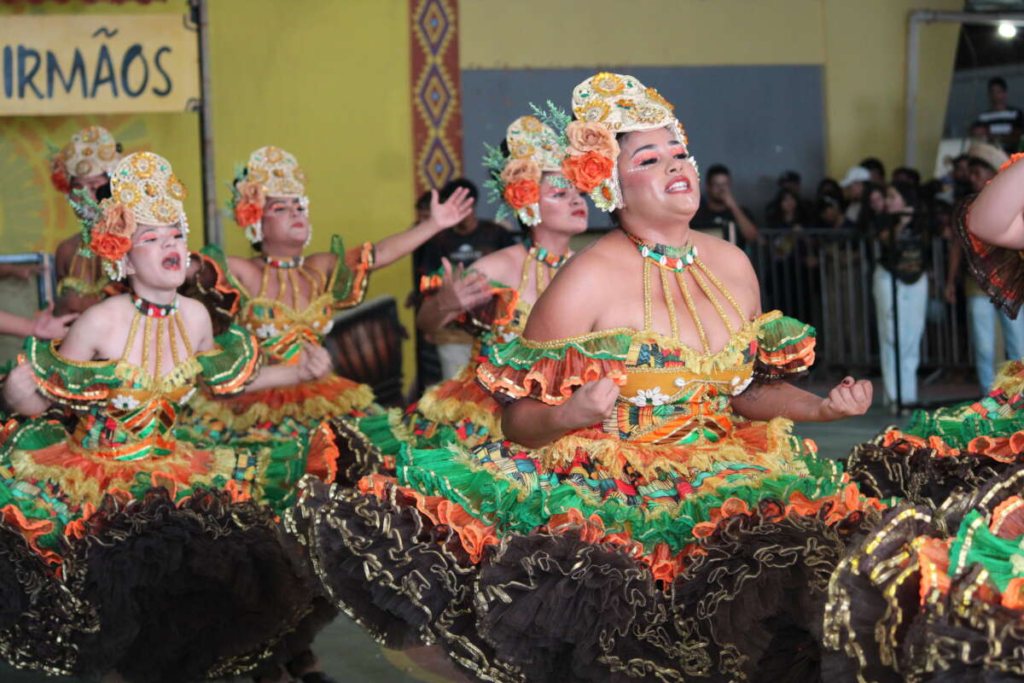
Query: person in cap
853, 189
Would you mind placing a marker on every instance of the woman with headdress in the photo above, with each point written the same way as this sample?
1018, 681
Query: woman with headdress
667, 523
288, 300
937, 591
81, 171
493, 299
124, 545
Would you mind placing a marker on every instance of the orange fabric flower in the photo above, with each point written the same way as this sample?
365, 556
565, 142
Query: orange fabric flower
248, 213
109, 246
59, 176
117, 219
587, 171
522, 193
587, 136
251, 192
519, 170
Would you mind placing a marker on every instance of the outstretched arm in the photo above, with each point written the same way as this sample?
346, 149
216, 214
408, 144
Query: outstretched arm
442, 216
764, 402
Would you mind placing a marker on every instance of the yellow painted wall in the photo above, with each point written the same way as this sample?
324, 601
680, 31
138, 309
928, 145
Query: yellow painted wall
860, 43
865, 66
596, 33
329, 83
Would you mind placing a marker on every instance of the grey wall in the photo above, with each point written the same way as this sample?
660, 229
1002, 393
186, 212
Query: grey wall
757, 120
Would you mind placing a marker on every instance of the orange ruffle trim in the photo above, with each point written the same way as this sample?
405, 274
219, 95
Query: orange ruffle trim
550, 380
1001, 448
475, 536
327, 397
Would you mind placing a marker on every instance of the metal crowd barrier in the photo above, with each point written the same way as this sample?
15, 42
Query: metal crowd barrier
823, 276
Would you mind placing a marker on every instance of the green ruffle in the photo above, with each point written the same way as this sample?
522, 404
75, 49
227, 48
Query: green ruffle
237, 349
521, 355
777, 334
76, 378
217, 255
343, 276
379, 429
36, 502
496, 501
975, 543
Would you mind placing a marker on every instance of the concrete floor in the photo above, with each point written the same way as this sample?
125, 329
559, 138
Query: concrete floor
351, 657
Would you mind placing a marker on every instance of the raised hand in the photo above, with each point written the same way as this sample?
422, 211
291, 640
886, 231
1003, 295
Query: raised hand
590, 404
461, 291
848, 398
48, 326
453, 211
314, 362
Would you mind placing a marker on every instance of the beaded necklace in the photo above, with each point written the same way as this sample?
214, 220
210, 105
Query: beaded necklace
152, 310
294, 262
161, 320
673, 258
544, 256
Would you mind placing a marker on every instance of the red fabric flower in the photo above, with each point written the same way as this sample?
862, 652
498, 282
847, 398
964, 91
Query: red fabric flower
587, 171
109, 246
522, 193
247, 213
59, 177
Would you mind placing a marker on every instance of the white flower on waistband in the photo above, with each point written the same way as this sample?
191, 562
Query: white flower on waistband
266, 331
124, 403
654, 396
739, 387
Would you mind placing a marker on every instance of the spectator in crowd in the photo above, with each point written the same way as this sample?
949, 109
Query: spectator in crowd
828, 186
788, 181
873, 215
984, 160
961, 177
461, 244
830, 211
876, 168
906, 174
853, 185
718, 207
900, 286
785, 210
979, 132
1003, 123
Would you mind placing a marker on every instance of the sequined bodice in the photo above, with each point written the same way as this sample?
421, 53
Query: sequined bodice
674, 394
137, 421
281, 329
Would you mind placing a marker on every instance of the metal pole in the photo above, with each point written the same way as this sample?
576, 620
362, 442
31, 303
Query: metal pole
211, 218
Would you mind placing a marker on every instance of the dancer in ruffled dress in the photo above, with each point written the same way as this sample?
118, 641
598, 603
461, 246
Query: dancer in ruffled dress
667, 524
288, 300
935, 593
492, 300
125, 547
